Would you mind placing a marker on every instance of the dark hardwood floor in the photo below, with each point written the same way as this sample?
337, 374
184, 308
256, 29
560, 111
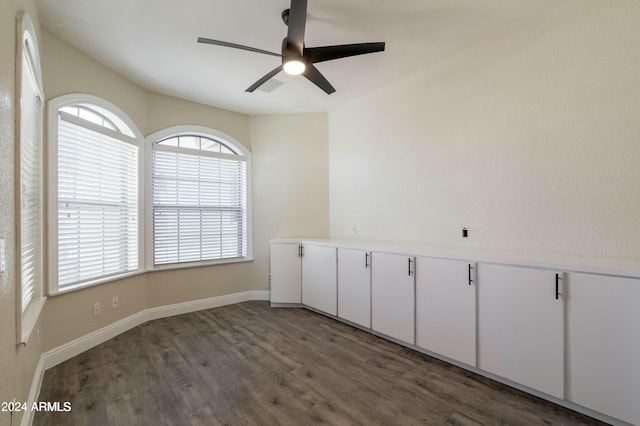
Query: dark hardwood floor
249, 364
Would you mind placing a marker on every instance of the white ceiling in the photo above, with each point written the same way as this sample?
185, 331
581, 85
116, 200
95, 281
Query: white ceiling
153, 42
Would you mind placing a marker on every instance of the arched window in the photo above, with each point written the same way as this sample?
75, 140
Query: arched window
29, 179
95, 192
199, 197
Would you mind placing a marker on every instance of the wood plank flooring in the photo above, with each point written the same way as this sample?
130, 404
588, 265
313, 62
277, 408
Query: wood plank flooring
249, 364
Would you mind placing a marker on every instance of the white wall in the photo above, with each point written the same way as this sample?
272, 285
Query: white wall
531, 141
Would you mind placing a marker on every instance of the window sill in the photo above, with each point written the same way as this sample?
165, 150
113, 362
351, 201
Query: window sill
173, 266
153, 269
29, 319
97, 282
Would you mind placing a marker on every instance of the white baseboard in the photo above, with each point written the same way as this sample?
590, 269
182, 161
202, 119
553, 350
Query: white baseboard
260, 294
27, 417
196, 305
75, 347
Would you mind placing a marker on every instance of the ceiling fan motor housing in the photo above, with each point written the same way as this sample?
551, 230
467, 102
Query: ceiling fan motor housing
290, 52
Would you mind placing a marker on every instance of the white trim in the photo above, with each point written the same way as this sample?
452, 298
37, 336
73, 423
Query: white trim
147, 222
100, 281
84, 98
28, 35
263, 295
34, 392
171, 266
30, 317
75, 347
28, 49
200, 131
81, 122
200, 153
53, 107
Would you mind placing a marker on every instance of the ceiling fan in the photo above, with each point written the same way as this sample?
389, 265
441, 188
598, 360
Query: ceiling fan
296, 57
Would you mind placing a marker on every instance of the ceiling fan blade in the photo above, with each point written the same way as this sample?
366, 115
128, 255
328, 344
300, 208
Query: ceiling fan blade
318, 79
236, 46
264, 79
297, 23
328, 53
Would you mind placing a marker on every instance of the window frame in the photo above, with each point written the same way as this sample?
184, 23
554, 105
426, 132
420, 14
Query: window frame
206, 132
28, 49
54, 106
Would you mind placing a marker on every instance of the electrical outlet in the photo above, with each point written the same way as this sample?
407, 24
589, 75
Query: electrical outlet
115, 302
96, 309
3, 256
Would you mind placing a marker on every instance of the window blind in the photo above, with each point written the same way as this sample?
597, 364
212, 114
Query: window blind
30, 187
199, 206
97, 204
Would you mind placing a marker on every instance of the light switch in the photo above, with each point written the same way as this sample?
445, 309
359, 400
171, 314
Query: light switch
3, 257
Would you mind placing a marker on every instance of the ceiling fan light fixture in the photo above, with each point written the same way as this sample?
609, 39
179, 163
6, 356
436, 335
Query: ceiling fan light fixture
296, 58
294, 67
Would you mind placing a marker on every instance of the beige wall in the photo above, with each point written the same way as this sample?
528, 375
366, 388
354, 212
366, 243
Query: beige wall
531, 141
17, 363
166, 111
182, 285
69, 316
290, 182
67, 70
289, 179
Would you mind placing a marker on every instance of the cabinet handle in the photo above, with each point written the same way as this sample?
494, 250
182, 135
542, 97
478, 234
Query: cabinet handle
557, 286
470, 268
409, 266
366, 260
301, 250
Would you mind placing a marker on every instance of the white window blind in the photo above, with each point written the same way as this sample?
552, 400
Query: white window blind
97, 202
30, 186
199, 203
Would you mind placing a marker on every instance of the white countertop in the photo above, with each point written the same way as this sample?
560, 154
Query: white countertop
592, 265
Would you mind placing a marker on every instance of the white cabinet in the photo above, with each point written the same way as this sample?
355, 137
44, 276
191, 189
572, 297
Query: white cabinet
521, 326
354, 286
286, 273
509, 320
604, 344
393, 296
319, 278
446, 308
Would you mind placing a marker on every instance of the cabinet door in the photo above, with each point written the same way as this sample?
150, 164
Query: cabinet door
393, 296
521, 326
286, 273
319, 280
446, 308
354, 286
604, 344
